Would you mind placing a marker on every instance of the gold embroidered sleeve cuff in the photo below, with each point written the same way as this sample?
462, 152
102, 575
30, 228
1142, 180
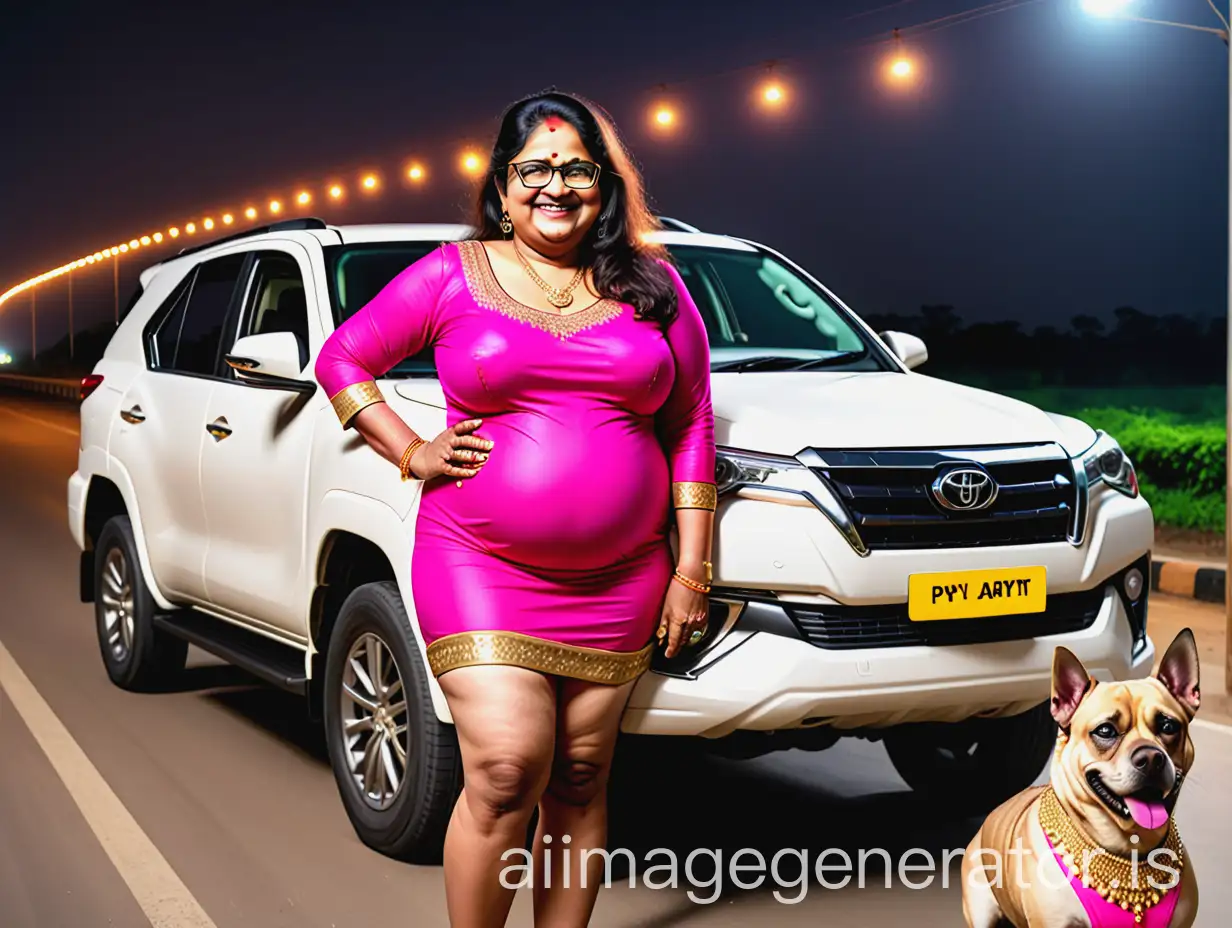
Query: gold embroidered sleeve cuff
350, 400
694, 496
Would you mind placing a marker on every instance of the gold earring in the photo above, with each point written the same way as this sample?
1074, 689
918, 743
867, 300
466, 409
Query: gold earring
506, 225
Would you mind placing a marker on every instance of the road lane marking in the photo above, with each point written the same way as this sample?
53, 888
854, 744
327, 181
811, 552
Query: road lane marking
51, 425
163, 897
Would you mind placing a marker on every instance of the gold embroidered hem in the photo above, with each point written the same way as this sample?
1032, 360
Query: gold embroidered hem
468, 649
351, 399
486, 290
694, 496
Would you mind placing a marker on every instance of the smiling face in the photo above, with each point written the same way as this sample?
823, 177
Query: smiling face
1119, 769
556, 218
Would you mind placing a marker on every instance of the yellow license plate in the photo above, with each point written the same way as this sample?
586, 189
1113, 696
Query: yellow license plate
976, 594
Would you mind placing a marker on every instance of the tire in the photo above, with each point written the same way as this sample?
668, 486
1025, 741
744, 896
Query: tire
138, 656
972, 767
407, 823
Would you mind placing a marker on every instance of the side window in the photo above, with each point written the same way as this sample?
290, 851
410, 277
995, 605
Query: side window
277, 301
188, 336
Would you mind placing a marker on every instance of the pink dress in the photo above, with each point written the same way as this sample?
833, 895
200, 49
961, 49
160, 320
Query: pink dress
556, 555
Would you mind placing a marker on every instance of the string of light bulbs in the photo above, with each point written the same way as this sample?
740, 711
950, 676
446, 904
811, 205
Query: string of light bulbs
663, 116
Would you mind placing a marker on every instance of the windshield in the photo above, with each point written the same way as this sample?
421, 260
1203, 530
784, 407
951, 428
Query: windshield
760, 314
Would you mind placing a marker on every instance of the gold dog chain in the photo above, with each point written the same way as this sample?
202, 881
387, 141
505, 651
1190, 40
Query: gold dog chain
1115, 878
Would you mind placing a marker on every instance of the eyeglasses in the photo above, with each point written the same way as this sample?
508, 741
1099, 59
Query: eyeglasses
579, 175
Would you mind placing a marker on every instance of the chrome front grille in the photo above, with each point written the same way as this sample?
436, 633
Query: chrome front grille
842, 627
889, 498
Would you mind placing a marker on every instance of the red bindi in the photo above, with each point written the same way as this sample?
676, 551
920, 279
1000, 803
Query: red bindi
553, 122
554, 155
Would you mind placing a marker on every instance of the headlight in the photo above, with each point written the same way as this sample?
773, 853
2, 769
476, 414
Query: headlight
783, 480
1106, 462
736, 469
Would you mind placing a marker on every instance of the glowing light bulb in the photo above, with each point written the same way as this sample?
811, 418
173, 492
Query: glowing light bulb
304, 198
158, 236
415, 172
191, 229
369, 182
208, 223
664, 116
227, 219
275, 207
772, 94
335, 191
251, 213
901, 68
471, 163
173, 232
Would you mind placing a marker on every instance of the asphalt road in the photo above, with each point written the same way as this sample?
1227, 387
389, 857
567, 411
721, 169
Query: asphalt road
220, 797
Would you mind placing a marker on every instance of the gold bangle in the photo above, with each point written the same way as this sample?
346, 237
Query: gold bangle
404, 465
694, 495
350, 400
690, 583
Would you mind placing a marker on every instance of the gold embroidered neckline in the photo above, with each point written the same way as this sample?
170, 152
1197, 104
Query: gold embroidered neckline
486, 290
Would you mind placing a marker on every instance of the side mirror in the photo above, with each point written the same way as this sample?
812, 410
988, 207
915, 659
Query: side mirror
907, 348
270, 360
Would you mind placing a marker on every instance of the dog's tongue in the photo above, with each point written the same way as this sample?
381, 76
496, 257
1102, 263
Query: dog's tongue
1148, 815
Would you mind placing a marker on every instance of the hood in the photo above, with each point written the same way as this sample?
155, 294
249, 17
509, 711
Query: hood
783, 413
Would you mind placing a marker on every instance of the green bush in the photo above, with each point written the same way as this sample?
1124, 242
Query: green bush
1181, 508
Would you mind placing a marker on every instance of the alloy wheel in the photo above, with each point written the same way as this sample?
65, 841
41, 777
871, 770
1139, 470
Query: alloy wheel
375, 732
117, 605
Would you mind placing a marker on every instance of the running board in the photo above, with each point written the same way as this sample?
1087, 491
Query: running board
278, 664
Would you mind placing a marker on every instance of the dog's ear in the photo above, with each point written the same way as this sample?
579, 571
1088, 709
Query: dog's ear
1070, 682
1178, 671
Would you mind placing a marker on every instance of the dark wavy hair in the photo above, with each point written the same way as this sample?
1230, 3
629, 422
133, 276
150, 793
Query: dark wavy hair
626, 265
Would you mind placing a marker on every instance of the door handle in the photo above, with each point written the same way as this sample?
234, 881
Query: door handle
133, 415
219, 428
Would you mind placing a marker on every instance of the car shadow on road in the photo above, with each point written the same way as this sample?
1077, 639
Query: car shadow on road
785, 804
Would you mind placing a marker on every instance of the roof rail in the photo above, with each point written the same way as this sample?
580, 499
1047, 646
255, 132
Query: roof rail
669, 223
285, 225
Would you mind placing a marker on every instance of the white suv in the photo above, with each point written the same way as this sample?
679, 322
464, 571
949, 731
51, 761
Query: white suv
896, 556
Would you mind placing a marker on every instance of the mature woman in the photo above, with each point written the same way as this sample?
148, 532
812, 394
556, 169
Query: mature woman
575, 367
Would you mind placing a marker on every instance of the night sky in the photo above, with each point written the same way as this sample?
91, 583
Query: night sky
1049, 164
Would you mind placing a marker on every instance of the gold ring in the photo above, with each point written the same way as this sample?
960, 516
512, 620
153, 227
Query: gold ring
696, 636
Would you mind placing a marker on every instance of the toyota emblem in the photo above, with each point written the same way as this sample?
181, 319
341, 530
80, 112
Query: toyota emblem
964, 489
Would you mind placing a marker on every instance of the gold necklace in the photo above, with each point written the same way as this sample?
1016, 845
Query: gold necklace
1121, 881
559, 297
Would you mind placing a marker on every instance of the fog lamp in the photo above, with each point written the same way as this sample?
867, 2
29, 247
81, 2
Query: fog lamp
1134, 582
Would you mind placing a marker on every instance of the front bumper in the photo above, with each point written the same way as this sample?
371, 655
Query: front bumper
763, 681
766, 671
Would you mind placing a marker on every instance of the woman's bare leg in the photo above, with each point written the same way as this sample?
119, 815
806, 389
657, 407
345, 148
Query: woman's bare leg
506, 719
575, 804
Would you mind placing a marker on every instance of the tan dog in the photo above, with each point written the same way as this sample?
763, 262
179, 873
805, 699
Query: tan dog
1122, 753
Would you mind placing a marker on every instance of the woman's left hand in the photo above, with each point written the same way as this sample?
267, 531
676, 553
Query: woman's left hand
685, 612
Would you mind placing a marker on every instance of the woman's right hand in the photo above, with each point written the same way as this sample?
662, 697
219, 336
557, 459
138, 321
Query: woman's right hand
456, 452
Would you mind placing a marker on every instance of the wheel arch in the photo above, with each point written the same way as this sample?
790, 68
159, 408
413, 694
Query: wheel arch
107, 497
358, 540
